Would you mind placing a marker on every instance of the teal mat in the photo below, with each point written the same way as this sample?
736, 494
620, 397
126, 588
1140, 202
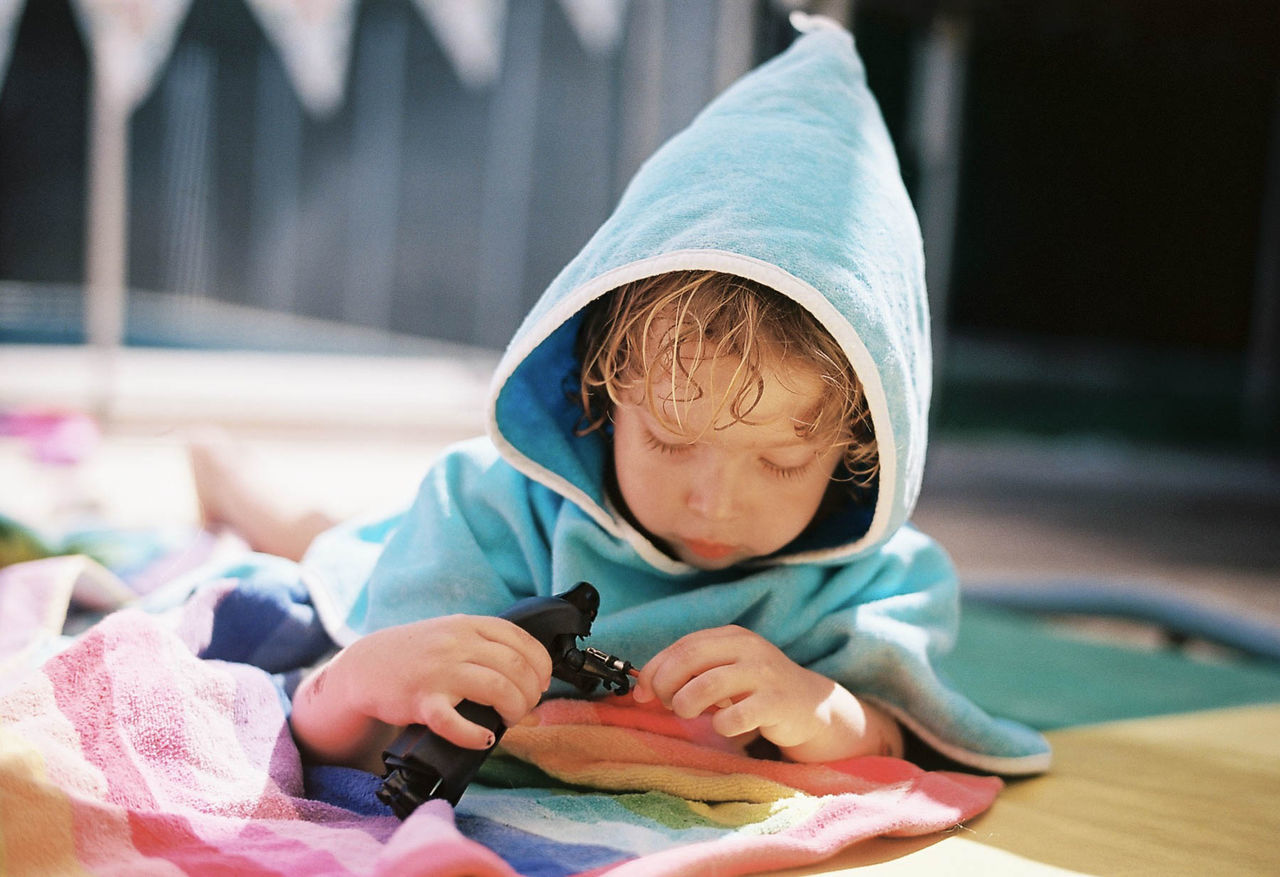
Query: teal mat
1018, 666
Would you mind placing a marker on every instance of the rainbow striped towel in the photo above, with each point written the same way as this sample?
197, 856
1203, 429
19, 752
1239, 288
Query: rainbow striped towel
128, 753
634, 790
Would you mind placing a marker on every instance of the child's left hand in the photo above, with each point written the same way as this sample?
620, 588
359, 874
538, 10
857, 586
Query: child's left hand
759, 689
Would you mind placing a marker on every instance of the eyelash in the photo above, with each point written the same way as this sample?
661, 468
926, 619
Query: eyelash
784, 472
662, 447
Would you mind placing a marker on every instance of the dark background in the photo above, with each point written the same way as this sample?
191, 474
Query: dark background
1114, 248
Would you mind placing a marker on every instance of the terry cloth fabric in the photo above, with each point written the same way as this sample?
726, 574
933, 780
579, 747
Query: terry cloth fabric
127, 753
34, 598
680, 801
789, 179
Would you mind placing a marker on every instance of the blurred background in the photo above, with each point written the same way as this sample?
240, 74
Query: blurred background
314, 220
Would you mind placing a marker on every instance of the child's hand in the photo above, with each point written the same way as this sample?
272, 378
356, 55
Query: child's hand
756, 686
759, 689
417, 673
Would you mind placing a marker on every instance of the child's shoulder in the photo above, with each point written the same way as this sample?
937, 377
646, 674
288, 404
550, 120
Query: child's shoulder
476, 467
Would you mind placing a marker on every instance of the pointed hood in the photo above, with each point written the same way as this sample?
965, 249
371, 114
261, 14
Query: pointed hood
789, 179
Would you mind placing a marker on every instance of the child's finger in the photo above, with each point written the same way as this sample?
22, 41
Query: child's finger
444, 719
500, 630
716, 687
488, 687
642, 691
685, 660
737, 718
512, 665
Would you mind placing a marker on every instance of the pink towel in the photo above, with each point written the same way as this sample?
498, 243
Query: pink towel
126, 752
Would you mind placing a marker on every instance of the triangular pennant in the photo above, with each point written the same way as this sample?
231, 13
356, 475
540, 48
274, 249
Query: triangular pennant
129, 42
10, 11
597, 23
471, 34
314, 41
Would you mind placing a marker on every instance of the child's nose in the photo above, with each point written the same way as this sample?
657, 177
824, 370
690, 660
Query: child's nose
711, 493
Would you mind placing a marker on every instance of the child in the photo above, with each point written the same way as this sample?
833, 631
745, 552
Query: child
716, 415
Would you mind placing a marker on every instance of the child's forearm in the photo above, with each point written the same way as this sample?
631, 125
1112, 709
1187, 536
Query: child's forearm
852, 728
330, 729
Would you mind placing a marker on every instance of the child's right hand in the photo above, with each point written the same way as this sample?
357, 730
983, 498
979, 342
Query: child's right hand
417, 673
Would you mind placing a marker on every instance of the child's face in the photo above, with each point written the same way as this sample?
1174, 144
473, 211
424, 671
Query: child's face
719, 493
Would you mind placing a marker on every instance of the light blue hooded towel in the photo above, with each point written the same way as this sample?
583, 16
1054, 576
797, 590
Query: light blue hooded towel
789, 179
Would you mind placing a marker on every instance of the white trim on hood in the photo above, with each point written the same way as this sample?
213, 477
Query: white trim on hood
765, 273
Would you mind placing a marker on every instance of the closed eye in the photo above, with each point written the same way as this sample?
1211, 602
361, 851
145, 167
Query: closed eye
785, 471
656, 444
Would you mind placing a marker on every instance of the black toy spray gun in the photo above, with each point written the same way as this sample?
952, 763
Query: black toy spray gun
421, 765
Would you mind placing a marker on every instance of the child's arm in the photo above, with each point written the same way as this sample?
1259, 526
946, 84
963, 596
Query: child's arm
353, 707
759, 689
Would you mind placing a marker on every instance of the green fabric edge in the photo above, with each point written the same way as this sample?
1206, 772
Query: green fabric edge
1020, 666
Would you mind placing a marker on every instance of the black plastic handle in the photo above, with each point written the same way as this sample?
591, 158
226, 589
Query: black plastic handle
422, 765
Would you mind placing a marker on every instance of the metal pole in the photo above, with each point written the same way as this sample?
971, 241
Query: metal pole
936, 130
107, 233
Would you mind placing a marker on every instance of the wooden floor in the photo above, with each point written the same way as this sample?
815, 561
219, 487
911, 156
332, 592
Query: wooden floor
1195, 794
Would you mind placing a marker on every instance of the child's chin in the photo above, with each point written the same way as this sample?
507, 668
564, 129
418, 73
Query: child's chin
710, 563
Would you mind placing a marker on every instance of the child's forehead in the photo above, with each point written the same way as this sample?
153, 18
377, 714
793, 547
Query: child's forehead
699, 402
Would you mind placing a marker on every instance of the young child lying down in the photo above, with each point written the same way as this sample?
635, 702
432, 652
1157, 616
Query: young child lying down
716, 414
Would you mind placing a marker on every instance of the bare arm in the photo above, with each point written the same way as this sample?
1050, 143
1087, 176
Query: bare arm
329, 729
848, 727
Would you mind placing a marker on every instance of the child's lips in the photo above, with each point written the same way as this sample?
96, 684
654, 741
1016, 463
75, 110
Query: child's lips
708, 550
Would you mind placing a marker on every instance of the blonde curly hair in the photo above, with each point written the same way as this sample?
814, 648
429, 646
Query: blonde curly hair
670, 323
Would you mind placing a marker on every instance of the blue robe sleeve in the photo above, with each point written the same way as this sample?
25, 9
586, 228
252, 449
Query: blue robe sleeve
883, 621
475, 540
